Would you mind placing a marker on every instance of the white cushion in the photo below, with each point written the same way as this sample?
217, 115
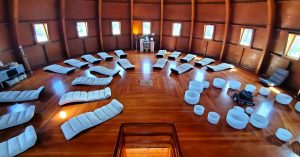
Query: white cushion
283, 99
104, 71
19, 144
105, 56
18, 96
204, 62
264, 91
250, 88
126, 64
221, 67
16, 118
58, 69
161, 53
82, 96
235, 85
160, 63
175, 55
191, 97
297, 106
188, 58
90, 58
219, 83
92, 81
76, 63
283, 134
182, 68
213, 117
196, 86
87, 120
120, 53
237, 119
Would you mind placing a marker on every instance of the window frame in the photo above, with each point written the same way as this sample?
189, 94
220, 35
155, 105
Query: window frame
86, 27
288, 46
46, 29
143, 27
213, 35
180, 32
112, 32
241, 36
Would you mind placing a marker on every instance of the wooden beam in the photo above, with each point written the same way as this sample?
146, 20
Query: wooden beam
131, 21
161, 22
62, 8
100, 24
226, 29
192, 24
270, 25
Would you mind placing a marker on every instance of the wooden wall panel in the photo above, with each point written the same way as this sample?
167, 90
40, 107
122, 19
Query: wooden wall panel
214, 49
26, 33
8, 56
35, 55
198, 30
199, 46
167, 29
54, 30
210, 12
219, 32
169, 43
76, 47
32, 10
182, 44
234, 34
288, 14
260, 38
294, 81
117, 11
186, 29
177, 12
277, 62
146, 11
279, 42
92, 28
81, 9
54, 51
109, 43
234, 53
71, 31
3, 11
123, 42
5, 38
250, 57
91, 44
250, 13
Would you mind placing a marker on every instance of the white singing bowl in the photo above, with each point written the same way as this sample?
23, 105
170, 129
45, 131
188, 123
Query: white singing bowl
213, 117
297, 106
191, 97
219, 83
196, 86
237, 119
249, 110
199, 110
235, 85
250, 88
259, 121
238, 108
264, 91
283, 99
283, 134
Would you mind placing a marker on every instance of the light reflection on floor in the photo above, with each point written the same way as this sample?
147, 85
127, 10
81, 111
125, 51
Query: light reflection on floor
265, 109
59, 87
200, 75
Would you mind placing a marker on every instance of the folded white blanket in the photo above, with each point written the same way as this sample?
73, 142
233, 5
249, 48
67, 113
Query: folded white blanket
92, 81
188, 58
58, 69
16, 118
124, 63
161, 53
91, 59
83, 96
87, 120
76, 63
18, 96
18, 144
204, 62
174, 55
160, 63
220, 67
120, 53
182, 68
105, 56
104, 71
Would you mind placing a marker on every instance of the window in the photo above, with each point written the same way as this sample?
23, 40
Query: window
176, 29
246, 36
209, 31
82, 29
292, 49
116, 28
146, 28
41, 32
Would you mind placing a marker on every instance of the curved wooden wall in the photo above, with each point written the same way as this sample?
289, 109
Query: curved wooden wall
272, 20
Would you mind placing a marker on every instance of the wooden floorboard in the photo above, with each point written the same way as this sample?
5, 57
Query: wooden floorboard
162, 102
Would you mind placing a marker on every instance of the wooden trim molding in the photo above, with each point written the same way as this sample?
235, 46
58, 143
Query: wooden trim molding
192, 24
131, 23
62, 10
100, 24
226, 28
161, 23
270, 25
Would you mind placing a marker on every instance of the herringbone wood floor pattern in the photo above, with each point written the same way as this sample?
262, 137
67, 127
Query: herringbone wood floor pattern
162, 102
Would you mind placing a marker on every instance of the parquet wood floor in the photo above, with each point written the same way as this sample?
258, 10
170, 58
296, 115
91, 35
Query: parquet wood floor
162, 102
